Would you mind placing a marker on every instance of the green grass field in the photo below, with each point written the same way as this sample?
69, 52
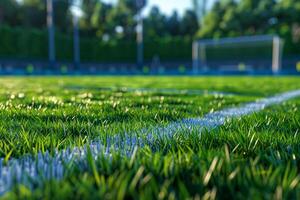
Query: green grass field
251, 157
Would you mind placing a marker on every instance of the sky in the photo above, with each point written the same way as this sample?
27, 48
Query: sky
166, 6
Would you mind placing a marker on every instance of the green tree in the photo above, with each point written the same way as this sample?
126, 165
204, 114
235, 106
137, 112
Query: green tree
155, 24
62, 16
211, 22
121, 18
189, 24
89, 8
173, 24
33, 13
99, 20
9, 12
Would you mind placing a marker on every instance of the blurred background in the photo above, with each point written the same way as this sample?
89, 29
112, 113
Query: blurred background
139, 37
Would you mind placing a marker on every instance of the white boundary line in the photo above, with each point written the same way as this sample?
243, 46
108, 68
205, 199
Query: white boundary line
33, 170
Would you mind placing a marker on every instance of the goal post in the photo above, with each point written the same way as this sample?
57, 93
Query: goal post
256, 54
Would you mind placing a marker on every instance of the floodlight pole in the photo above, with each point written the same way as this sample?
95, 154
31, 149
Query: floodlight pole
195, 58
140, 39
76, 44
51, 33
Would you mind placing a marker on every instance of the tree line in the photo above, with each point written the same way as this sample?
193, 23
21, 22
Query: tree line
100, 19
116, 23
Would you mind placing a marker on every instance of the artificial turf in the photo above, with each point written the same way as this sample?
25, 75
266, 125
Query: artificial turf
255, 157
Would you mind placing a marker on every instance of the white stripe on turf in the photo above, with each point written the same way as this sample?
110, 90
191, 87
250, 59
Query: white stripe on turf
32, 171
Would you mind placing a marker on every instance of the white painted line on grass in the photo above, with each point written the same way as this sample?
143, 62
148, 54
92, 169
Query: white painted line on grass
32, 171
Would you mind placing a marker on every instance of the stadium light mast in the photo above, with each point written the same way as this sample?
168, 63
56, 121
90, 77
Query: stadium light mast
51, 32
195, 58
140, 33
76, 12
140, 41
76, 43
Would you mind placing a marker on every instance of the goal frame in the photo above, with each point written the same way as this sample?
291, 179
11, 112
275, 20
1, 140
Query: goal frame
199, 53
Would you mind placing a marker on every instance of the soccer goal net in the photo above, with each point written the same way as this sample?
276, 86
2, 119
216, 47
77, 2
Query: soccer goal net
255, 54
